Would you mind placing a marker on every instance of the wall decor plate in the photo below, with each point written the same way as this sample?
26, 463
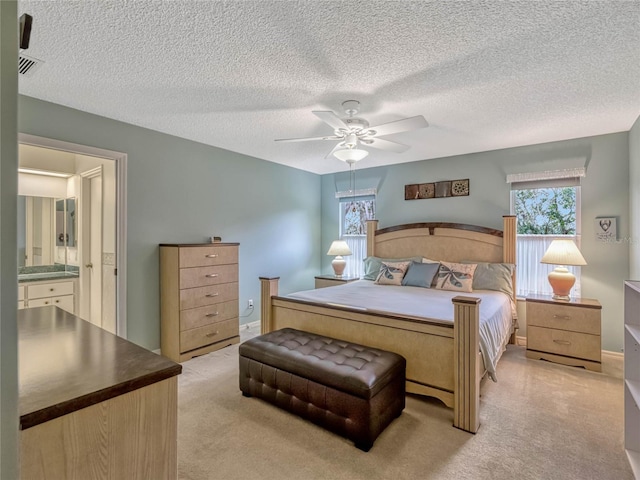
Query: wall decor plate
445, 188
606, 230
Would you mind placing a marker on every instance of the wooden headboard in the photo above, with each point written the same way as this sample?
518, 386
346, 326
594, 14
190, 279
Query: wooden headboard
453, 242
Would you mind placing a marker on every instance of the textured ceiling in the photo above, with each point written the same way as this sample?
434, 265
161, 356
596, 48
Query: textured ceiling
238, 74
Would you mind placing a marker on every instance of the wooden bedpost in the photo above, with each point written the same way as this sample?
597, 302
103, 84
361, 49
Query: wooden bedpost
372, 226
509, 232
268, 288
466, 363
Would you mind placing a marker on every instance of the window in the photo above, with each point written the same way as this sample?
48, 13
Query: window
355, 210
546, 209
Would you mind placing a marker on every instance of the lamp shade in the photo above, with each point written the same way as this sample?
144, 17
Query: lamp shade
350, 155
563, 252
339, 247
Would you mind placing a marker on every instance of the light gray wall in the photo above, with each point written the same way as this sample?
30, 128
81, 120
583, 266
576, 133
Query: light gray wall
604, 193
8, 244
181, 191
634, 200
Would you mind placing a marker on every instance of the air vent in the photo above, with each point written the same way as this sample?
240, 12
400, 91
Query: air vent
27, 65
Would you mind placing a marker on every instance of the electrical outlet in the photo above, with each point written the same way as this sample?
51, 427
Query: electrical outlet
250, 303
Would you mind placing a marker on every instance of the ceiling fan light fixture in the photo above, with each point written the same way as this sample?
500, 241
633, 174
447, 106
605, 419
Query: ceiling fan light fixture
351, 141
350, 155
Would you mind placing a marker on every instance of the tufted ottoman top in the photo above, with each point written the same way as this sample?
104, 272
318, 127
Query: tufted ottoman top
356, 369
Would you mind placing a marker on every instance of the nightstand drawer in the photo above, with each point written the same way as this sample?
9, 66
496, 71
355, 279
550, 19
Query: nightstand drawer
564, 317
562, 342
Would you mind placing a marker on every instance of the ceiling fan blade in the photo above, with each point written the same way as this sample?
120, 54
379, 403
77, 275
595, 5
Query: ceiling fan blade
386, 145
327, 137
404, 125
338, 146
331, 119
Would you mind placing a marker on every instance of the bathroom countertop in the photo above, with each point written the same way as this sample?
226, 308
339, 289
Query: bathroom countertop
37, 277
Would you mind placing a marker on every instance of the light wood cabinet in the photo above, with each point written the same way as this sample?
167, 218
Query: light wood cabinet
60, 293
323, 281
198, 298
632, 374
566, 332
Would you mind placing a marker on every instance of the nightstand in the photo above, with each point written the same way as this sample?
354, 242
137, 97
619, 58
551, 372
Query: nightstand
566, 332
331, 280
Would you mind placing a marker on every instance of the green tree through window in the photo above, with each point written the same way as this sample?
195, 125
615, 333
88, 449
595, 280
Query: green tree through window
546, 211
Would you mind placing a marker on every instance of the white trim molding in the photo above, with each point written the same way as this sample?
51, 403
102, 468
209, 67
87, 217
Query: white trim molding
357, 193
547, 175
121, 212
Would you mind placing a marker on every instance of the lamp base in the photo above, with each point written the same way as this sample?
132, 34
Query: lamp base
561, 280
338, 265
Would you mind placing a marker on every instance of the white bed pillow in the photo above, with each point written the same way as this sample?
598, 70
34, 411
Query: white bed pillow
392, 273
456, 276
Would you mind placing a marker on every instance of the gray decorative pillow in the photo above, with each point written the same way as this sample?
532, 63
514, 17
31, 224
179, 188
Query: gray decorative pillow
392, 273
372, 265
420, 274
455, 276
494, 276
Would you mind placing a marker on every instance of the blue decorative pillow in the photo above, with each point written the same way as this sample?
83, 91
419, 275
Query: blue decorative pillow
420, 274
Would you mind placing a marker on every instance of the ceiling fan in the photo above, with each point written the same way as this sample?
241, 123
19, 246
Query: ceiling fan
352, 132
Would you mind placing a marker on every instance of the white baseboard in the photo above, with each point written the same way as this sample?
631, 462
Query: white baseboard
250, 325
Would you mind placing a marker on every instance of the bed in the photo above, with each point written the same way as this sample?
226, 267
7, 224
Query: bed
444, 358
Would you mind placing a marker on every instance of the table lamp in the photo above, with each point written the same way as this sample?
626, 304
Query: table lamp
562, 252
339, 248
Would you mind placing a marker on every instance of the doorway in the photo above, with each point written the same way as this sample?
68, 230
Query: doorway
98, 186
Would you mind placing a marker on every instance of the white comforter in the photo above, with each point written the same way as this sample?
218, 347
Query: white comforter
496, 312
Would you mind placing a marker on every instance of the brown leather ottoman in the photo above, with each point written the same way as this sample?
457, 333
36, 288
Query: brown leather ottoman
350, 389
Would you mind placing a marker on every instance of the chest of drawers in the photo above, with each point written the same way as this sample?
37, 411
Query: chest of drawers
564, 332
198, 298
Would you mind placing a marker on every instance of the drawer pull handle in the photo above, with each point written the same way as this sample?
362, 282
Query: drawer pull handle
211, 275
51, 289
46, 303
562, 317
209, 295
57, 301
213, 255
212, 334
212, 314
563, 342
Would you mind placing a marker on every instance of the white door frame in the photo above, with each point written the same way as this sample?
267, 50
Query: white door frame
87, 279
121, 212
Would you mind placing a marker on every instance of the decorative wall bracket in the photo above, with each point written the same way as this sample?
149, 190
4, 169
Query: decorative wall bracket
447, 188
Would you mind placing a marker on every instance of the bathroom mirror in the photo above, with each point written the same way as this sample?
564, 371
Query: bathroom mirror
71, 226
47, 227
36, 225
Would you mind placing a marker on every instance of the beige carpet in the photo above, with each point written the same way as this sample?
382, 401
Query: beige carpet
540, 421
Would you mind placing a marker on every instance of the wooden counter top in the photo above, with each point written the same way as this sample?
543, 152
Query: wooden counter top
66, 364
